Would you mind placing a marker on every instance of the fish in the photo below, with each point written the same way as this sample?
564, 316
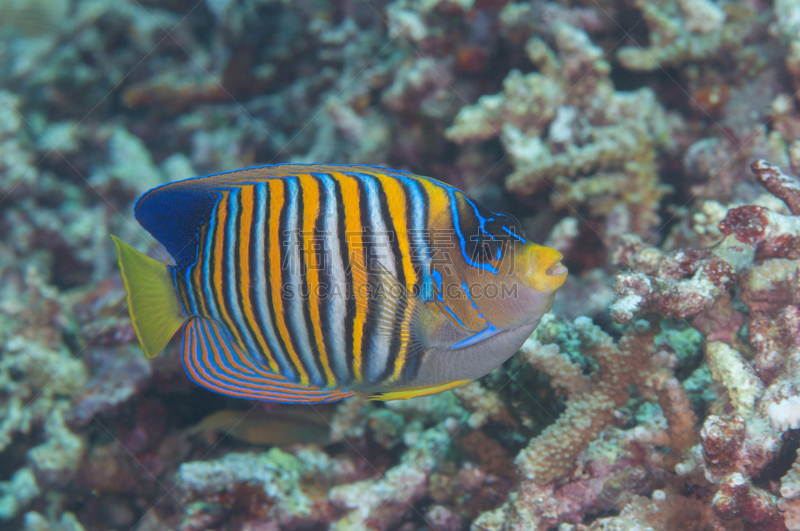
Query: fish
275, 428
311, 283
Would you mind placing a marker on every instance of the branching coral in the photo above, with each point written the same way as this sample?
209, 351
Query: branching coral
751, 233
789, 504
758, 256
37, 379
738, 498
566, 125
593, 400
735, 447
484, 404
17, 165
739, 447
662, 292
688, 30
383, 501
270, 483
791, 513
592, 406
380, 505
787, 16
790, 483
660, 512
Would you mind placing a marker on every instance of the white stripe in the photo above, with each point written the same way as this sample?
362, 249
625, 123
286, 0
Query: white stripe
294, 306
233, 283
265, 323
336, 303
378, 354
419, 238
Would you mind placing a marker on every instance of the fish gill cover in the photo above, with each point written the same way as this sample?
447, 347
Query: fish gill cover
654, 144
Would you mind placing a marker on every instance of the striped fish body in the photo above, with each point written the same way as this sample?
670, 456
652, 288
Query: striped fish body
310, 283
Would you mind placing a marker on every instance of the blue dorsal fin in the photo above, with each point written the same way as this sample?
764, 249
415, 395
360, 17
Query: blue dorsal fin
174, 214
212, 360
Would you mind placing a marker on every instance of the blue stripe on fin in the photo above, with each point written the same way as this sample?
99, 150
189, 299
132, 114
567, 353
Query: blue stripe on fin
457, 225
457, 320
213, 361
437, 277
489, 331
513, 234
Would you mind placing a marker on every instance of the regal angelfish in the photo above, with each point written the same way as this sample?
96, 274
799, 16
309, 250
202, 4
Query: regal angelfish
311, 283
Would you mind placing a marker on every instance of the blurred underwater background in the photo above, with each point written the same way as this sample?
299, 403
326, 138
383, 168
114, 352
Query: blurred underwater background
656, 144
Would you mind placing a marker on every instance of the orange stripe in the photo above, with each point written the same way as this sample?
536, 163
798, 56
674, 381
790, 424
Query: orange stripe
202, 374
310, 212
245, 235
235, 362
218, 380
438, 204
211, 378
188, 348
355, 248
218, 286
396, 199
277, 192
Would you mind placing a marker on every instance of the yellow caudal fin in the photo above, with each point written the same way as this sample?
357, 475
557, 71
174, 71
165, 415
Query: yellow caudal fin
152, 301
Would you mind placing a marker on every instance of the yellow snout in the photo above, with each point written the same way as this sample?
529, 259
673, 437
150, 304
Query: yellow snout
546, 271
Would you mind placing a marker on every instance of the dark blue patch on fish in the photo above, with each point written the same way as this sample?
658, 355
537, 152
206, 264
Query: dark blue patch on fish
174, 218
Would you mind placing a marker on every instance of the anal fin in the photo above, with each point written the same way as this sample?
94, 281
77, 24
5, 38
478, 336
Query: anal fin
405, 394
213, 360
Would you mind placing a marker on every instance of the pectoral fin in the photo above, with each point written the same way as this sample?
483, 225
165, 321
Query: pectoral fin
394, 312
483, 335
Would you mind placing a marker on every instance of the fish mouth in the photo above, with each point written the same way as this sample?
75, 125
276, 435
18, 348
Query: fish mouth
556, 269
548, 273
